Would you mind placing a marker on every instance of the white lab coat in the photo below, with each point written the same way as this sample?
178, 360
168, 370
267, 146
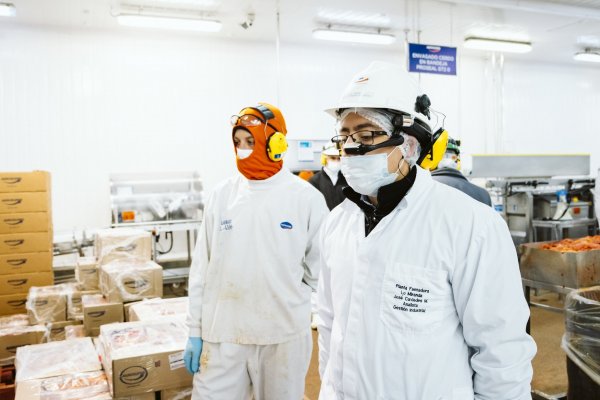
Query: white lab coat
428, 306
256, 261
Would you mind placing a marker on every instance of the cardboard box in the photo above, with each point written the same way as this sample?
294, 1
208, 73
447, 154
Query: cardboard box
49, 303
25, 222
11, 264
75, 305
123, 243
13, 304
86, 273
85, 385
24, 202
98, 311
56, 331
127, 309
56, 358
184, 393
20, 283
74, 332
158, 308
15, 243
34, 181
144, 356
12, 338
143, 396
131, 280
13, 321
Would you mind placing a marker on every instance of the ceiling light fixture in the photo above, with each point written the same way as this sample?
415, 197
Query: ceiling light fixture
364, 37
589, 55
7, 10
162, 18
498, 45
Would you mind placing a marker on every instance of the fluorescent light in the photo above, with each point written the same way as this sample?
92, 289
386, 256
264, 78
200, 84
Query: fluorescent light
7, 10
355, 37
502, 46
188, 24
588, 55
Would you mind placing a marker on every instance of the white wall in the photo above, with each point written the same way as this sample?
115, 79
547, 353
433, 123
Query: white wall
83, 104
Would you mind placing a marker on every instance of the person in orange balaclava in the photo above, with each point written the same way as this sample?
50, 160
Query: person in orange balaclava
255, 265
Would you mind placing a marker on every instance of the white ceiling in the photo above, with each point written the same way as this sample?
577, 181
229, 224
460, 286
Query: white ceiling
557, 28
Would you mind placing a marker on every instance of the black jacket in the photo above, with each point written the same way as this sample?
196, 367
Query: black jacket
456, 179
333, 194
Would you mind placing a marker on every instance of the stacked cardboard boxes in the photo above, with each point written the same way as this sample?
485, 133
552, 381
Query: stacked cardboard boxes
25, 237
98, 311
144, 356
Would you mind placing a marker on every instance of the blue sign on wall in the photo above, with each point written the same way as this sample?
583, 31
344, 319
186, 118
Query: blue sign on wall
431, 59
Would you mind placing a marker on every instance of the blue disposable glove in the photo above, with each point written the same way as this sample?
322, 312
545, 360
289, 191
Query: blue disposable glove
191, 356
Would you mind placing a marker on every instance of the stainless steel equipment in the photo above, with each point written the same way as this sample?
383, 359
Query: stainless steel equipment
139, 198
524, 190
169, 203
564, 269
529, 165
530, 207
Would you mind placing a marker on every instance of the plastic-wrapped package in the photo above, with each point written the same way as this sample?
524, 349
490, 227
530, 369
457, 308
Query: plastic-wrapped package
74, 332
123, 243
14, 337
74, 305
56, 358
144, 356
98, 311
86, 273
56, 331
581, 340
131, 280
12, 321
148, 310
49, 303
83, 385
177, 394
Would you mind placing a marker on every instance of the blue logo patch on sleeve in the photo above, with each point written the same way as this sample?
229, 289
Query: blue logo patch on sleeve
286, 225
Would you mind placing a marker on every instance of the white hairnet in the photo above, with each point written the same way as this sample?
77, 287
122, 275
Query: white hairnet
378, 117
411, 149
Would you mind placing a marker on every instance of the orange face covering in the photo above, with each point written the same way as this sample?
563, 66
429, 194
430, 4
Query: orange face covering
258, 166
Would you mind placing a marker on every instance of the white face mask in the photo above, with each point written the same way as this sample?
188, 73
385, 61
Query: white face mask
366, 174
334, 166
243, 153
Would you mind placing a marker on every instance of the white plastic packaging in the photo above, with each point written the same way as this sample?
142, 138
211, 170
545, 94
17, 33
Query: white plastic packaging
56, 358
581, 340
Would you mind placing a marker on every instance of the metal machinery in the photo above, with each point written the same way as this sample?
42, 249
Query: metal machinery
169, 203
545, 197
529, 189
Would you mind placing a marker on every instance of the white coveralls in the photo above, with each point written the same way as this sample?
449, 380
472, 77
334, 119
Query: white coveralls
254, 267
428, 306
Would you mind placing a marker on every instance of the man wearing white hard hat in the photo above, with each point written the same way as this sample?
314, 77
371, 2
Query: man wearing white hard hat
330, 180
419, 295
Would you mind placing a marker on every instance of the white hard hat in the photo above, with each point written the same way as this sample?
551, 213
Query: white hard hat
381, 85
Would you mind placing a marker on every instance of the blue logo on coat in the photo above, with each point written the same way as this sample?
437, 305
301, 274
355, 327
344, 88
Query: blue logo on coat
286, 225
